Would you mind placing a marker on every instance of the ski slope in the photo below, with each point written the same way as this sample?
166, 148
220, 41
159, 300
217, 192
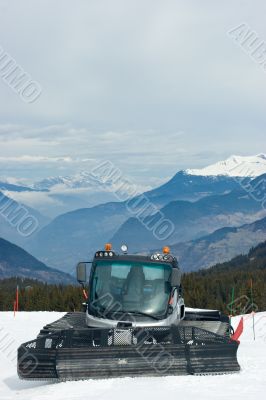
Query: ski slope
250, 383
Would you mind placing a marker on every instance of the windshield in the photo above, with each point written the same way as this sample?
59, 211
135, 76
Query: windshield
131, 287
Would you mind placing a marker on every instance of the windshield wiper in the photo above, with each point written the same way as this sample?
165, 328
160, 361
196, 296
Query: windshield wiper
141, 313
103, 312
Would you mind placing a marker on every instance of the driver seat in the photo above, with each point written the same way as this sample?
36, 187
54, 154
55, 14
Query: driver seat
134, 285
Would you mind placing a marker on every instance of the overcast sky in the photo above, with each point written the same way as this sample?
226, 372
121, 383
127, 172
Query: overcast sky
154, 86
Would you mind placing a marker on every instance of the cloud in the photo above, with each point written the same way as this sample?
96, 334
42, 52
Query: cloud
26, 159
7, 129
148, 84
62, 141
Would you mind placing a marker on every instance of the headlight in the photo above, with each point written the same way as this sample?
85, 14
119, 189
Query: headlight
124, 248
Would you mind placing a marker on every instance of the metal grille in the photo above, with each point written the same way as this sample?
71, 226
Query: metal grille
126, 337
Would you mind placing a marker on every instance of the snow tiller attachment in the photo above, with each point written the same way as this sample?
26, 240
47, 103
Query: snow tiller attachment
135, 324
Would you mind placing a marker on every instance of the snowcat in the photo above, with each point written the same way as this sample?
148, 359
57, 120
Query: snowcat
134, 323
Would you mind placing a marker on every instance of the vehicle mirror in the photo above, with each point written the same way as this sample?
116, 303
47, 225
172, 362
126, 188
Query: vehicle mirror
82, 272
175, 277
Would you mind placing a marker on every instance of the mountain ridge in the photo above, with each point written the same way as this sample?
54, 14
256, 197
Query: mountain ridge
220, 246
15, 261
193, 220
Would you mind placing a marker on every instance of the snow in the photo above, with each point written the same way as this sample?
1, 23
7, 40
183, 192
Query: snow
250, 383
235, 166
83, 180
79, 180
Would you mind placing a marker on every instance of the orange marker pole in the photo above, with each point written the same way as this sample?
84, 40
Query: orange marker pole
14, 307
85, 294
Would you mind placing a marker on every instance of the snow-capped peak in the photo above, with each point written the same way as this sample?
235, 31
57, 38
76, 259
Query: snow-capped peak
80, 180
238, 166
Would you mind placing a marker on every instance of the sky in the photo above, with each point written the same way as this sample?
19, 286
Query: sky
153, 86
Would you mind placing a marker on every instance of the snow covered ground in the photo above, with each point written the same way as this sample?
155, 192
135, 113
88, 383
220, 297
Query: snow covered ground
250, 383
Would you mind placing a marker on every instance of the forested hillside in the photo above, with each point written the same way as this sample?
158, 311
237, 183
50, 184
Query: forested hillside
38, 296
211, 288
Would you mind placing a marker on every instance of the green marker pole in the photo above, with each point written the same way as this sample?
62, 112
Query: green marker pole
232, 300
253, 313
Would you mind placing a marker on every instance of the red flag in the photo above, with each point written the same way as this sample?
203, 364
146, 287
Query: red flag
239, 330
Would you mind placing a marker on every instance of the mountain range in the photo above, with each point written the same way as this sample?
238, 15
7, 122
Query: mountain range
220, 246
56, 195
76, 235
14, 261
197, 205
192, 220
13, 187
13, 215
